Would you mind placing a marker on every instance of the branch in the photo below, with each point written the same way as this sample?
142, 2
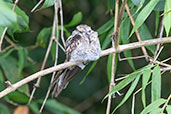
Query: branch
69, 64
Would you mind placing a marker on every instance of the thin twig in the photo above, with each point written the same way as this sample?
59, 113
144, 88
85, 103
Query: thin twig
60, 45
111, 85
61, 19
6, 49
37, 5
166, 12
56, 6
128, 58
161, 63
2, 37
161, 29
164, 106
133, 99
69, 64
136, 32
157, 54
44, 61
5, 30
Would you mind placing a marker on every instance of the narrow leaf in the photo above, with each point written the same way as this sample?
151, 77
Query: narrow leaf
168, 108
140, 5
130, 91
107, 39
127, 80
109, 66
167, 17
48, 3
89, 71
124, 34
145, 12
153, 105
76, 19
106, 27
157, 22
145, 79
146, 35
156, 84
20, 60
156, 111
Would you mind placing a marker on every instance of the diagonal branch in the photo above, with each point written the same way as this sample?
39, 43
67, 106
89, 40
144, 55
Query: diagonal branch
121, 48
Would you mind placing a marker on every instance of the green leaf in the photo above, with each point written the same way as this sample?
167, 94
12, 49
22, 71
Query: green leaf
160, 5
111, 5
156, 84
9, 66
20, 59
53, 106
11, 1
18, 96
107, 39
109, 66
154, 105
22, 21
34, 107
145, 79
2, 80
146, 35
168, 108
43, 37
140, 5
142, 16
53, 50
124, 34
1, 31
167, 17
157, 22
130, 91
156, 111
76, 19
48, 3
90, 69
10, 101
127, 80
106, 27
4, 109
8, 17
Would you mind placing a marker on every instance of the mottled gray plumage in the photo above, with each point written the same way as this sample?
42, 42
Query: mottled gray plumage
82, 45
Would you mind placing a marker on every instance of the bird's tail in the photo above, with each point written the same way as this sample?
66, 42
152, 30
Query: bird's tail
63, 78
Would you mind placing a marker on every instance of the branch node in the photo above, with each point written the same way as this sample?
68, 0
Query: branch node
8, 83
36, 85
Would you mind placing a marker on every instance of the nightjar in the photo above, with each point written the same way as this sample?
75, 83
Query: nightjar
82, 45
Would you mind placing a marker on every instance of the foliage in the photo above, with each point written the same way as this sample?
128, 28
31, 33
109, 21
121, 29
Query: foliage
28, 35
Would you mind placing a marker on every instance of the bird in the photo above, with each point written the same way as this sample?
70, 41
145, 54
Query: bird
82, 45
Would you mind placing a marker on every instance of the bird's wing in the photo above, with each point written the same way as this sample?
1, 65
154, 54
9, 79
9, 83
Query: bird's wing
71, 44
63, 77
